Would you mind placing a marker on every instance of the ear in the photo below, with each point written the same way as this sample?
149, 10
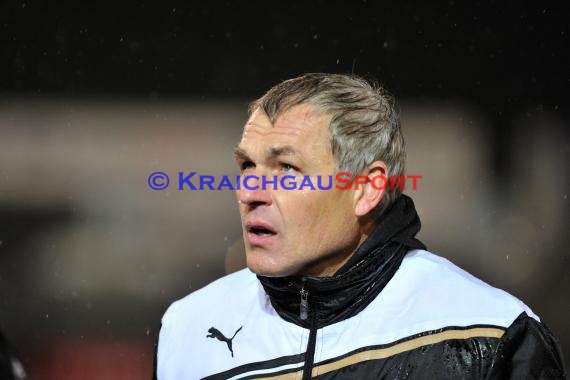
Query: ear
369, 195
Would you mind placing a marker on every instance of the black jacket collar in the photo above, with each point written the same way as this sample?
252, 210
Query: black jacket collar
358, 282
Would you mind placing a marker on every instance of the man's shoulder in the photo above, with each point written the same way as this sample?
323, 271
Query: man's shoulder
220, 294
440, 289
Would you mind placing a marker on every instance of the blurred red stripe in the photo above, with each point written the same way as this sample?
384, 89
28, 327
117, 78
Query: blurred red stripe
92, 359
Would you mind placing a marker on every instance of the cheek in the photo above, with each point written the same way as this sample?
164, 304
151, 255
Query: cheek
315, 213
241, 209
338, 211
297, 208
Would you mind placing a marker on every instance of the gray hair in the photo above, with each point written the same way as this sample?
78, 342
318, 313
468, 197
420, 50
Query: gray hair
364, 126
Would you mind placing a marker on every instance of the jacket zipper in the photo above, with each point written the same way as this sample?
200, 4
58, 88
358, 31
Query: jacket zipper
305, 309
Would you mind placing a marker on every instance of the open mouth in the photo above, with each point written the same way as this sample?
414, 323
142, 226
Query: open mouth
259, 230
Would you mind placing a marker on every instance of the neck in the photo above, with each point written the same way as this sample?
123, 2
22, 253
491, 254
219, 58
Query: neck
330, 264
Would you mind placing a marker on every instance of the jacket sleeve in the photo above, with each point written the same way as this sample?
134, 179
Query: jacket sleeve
528, 350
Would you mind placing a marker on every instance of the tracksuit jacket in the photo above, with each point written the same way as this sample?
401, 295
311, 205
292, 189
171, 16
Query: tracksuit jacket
393, 311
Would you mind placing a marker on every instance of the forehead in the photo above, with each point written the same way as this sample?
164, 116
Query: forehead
302, 126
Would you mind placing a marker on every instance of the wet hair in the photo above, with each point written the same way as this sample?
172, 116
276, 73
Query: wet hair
364, 126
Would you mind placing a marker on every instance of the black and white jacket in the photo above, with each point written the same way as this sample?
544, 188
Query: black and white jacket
382, 317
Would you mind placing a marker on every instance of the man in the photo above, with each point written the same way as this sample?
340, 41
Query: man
337, 286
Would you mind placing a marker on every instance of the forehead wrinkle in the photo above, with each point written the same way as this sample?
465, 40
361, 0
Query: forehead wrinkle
255, 128
278, 128
272, 152
288, 131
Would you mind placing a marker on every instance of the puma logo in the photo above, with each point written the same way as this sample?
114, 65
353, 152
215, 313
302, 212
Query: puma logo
215, 333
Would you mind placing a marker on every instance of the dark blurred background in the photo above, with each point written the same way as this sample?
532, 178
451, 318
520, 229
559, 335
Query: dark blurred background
94, 97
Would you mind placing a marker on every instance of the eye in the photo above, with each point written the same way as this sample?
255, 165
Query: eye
246, 165
288, 168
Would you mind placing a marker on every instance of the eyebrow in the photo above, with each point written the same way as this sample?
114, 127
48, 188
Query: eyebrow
273, 152
240, 153
286, 150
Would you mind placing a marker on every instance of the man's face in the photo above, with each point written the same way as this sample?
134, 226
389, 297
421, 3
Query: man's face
293, 232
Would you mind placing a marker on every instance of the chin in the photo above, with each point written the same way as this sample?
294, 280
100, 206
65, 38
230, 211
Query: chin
263, 267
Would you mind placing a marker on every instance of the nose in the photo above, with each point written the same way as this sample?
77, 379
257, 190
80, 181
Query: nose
254, 191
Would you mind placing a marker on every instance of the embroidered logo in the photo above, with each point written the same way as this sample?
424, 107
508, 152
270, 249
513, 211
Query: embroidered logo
215, 333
